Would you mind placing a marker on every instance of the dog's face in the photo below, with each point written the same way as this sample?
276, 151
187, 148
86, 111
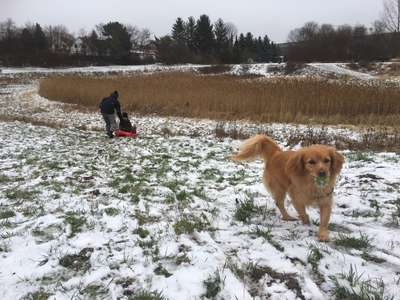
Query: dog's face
318, 161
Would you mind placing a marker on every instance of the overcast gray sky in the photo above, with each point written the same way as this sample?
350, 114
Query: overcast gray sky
273, 17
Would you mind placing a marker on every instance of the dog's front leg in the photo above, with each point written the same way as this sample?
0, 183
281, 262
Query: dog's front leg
325, 214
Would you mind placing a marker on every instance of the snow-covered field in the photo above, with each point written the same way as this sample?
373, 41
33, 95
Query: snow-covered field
170, 217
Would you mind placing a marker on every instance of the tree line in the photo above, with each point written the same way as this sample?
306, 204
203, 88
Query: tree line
314, 42
110, 43
200, 41
191, 41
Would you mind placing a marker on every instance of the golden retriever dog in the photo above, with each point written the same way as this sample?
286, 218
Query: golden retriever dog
308, 175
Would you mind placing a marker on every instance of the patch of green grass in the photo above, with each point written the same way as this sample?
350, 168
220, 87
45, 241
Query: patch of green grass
368, 257
125, 282
5, 247
245, 210
57, 186
333, 227
124, 189
237, 177
31, 160
392, 159
183, 197
5, 214
77, 262
356, 213
235, 268
143, 233
21, 194
397, 207
359, 243
76, 223
360, 156
150, 247
129, 177
182, 258
32, 210
144, 217
211, 174
351, 286
5, 223
174, 185
267, 235
38, 295
94, 291
115, 182
46, 234
213, 285
256, 272
170, 198
146, 295
190, 224
313, 257
4, 178
111, 211
160, 270
200, 193
52, 165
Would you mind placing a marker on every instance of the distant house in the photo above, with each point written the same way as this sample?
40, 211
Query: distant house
145, 54
77, 46
60, 46
80, 47
283, 48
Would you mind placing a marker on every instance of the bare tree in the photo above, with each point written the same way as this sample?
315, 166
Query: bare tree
308, 32
140, 38
391, 15
8, 29
378, 26
60, 40
232, 30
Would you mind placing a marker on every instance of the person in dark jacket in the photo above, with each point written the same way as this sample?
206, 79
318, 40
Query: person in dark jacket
125, 124
108, 107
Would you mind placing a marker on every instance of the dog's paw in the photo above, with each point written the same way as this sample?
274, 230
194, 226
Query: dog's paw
323, 236
305, 219
288, 218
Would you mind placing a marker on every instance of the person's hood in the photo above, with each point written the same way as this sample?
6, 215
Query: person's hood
114, 95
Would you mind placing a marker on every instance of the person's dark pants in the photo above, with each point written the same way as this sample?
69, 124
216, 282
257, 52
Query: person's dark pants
111, 123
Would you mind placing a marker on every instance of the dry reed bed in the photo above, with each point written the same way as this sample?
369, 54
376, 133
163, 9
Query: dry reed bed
286, 99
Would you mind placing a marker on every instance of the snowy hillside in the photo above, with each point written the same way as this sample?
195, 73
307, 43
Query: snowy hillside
168, 216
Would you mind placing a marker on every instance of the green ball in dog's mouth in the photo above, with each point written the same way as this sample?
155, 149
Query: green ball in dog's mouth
321, 180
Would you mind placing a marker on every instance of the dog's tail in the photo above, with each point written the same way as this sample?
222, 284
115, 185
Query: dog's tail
257, 146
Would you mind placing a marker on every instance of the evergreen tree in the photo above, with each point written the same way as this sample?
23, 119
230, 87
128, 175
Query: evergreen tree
237, 51
39, 38
204, 36
170, 52
249, 42
93, 44
190, 28
117, 38
221, 33
27, 41
275, 53
222, 42
179, 32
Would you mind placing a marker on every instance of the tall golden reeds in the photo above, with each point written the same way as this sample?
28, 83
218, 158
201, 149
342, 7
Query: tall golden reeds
286, 99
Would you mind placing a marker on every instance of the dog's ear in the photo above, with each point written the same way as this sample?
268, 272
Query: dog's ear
337, 161
295, 164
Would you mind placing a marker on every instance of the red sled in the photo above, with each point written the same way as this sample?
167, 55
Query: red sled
122, 133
